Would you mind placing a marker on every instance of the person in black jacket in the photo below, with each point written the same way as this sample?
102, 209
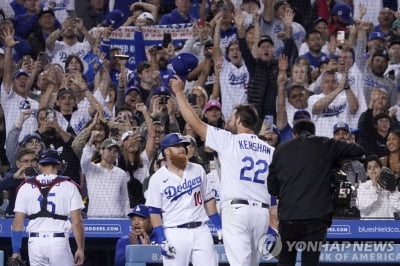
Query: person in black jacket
303, 187
263, 69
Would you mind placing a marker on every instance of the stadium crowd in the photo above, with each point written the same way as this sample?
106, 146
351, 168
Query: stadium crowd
65, 86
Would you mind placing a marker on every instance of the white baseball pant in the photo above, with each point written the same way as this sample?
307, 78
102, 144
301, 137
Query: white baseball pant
45, 249
193, 245
242, 227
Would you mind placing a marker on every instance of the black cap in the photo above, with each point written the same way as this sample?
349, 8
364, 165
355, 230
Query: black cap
280, 3
393, 42
265, 38
382, 53
49, 157
251, 1
46, 10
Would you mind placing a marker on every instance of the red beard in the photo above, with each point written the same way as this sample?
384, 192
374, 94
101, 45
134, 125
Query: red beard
179, 160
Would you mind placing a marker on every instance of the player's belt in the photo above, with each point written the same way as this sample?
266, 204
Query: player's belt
34, 234
190, 225
246, 202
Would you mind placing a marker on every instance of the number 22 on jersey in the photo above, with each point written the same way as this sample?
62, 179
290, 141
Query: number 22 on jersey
253, 171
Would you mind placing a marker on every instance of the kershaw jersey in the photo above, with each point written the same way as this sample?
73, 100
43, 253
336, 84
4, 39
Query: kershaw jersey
245, 160
62, 199
181, 199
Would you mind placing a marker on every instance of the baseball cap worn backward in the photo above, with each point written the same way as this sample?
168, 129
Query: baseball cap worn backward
341, 125
140, 210
173, 139
183, 64
344, 11
49, 157
108, 143
20, 72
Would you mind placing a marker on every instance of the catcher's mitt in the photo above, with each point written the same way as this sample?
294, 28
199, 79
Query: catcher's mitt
15, 262
387, 179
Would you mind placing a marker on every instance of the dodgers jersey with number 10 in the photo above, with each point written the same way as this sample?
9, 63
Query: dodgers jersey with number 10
180, 198
245, 160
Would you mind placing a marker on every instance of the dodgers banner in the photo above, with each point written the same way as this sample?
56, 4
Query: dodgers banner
124, 38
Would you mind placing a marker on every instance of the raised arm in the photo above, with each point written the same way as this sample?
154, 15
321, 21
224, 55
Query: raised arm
85, 33
187, 112
281, 114
351, 98
8, 36
216, 89
217, 36
150, 144
324, 102
268, 13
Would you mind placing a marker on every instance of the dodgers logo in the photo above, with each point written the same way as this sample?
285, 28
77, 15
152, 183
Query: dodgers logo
174, 192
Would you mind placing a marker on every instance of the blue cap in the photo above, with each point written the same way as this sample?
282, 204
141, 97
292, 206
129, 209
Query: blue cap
133, 88
115, 19
173, 139
140, 210
30, 136
341, 126
344, 11
318, 20
302, 114
162, 91
20, 72
49, 157
183, 64
376, 35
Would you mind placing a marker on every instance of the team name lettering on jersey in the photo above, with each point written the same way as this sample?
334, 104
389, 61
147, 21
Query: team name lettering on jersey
188, 186
237, 79
334, 111
247, 145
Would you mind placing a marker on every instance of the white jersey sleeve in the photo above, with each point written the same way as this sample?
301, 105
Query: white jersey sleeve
206, 188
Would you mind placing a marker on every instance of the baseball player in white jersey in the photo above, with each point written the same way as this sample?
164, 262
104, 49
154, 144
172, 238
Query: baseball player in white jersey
244, 169
179, 192
48, 201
